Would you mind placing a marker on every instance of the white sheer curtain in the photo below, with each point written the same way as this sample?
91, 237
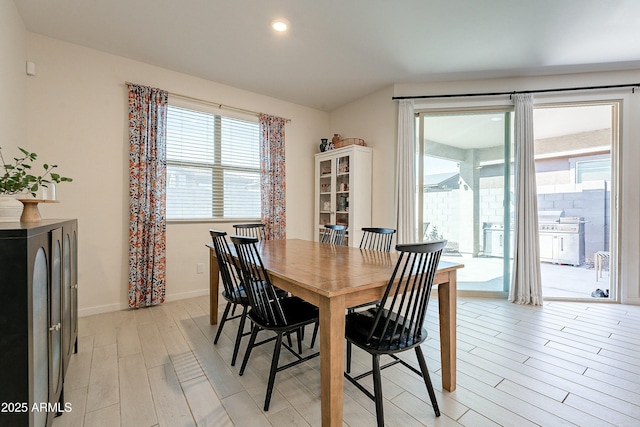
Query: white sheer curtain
526, 284
405, 174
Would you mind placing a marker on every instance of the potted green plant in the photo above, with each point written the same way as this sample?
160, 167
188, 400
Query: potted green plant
17, 177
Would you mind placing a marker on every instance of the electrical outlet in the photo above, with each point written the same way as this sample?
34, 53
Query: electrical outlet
199, 268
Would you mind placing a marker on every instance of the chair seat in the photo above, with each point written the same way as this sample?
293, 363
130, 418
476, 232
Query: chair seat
363, 305
238, 297
297, 312
384, 340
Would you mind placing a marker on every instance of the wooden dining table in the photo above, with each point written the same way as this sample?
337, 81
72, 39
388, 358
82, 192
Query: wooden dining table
335, 278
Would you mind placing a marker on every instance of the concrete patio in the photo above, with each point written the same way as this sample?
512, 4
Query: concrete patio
558, 281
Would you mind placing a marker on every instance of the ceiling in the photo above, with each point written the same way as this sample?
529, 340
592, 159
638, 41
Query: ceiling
340, 50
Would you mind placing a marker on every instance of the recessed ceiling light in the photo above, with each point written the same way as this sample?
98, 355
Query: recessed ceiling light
280, 24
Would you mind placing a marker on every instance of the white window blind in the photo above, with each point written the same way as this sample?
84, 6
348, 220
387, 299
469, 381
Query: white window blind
213, 166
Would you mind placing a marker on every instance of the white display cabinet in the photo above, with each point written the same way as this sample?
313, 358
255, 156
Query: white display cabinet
343, 190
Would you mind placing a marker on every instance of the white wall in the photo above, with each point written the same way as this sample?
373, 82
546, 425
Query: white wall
13, 79
76, 112
374, 119
77, 115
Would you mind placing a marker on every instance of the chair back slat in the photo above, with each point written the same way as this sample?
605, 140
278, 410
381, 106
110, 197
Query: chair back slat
262, 295
400, 316
333, 234
229, 272
377, 239
251, 230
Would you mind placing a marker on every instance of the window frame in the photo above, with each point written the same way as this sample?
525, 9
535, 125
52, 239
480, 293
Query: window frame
582, 161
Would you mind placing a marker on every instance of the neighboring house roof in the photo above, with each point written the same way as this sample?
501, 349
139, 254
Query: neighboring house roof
449, 180
590, 141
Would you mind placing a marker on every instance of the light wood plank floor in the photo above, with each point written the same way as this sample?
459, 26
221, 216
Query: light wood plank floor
561, 364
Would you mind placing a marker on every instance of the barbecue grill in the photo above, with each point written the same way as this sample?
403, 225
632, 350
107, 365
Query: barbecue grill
561, 238
494, 239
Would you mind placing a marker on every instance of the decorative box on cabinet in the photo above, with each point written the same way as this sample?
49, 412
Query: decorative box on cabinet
343, 190
38, 319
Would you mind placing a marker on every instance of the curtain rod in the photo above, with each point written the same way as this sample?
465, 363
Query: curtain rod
215, 104
566, 89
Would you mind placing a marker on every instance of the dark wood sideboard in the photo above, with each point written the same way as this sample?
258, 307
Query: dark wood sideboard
38, 318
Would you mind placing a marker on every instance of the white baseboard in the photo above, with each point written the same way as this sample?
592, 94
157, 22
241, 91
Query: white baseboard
185, 295
83, 312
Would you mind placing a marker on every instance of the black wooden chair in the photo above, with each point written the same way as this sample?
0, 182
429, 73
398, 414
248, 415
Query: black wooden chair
333, 234
271, 311
251, 230
233, 292
377, 239
396, 324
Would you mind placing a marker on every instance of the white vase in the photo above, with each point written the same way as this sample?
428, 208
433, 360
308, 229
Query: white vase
48, 192
10, 208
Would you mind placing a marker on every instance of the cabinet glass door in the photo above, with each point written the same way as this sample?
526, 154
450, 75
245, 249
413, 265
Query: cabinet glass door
40, 335
342, 190
66, 295
56, 311
74, 287
326, 203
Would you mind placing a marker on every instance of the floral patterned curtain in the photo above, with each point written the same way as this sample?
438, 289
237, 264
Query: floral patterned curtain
272, 176
147, 195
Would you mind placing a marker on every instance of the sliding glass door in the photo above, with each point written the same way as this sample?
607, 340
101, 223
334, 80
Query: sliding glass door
575, 146
465, 195
465, 192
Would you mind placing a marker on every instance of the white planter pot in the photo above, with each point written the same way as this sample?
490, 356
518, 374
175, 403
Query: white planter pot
10, 208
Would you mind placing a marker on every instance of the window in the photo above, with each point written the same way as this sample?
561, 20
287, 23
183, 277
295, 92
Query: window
213, 166
593, 170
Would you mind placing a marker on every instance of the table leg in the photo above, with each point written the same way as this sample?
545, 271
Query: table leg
214, 279
447, 300
332, 324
